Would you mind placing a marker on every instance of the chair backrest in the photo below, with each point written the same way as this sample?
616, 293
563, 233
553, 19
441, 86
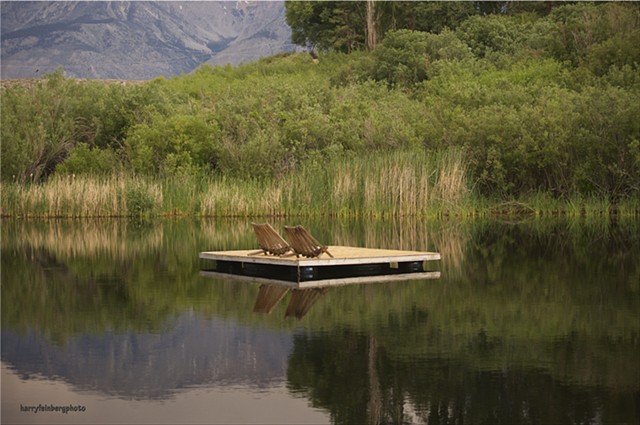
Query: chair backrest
303, 243
269, 240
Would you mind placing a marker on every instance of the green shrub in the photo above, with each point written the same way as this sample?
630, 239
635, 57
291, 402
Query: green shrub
142, 198
595, 35
168, 144
84, 160
493, 33
38, 128
404, 57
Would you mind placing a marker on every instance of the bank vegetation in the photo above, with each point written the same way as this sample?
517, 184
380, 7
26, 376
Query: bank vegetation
523, 112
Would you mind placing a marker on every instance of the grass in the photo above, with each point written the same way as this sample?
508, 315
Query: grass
115, 196
391, 185
395, 184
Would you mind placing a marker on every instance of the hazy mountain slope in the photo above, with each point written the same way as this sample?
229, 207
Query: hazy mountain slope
136, 40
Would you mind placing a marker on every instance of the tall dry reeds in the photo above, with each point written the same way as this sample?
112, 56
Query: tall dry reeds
396, 184
238, 198
116, 196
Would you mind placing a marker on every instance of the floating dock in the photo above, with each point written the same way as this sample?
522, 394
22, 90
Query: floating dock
348, 265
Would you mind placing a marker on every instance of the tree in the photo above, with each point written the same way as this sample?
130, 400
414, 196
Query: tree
327, 25
372, 36
346, 26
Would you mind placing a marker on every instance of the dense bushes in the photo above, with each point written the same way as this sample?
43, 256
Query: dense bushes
44, 122
524, 130
39, 129
404, 58
534, 104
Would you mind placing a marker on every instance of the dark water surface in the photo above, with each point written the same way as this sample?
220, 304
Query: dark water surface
535, 322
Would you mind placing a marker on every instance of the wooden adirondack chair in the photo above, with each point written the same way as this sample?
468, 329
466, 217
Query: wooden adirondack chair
303, 243
269, 240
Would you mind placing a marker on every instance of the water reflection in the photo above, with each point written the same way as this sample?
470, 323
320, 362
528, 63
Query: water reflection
268, 298
305, 294
235, 404
300, 302
368, 383
529, 323
189, 352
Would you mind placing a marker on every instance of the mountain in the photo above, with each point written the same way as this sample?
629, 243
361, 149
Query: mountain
136, 39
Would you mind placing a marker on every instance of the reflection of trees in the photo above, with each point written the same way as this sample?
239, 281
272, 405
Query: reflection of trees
68, 277
374, 406
537, 325
358, 380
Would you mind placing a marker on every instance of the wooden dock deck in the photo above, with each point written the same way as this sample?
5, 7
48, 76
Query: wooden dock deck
343, 255
350, 263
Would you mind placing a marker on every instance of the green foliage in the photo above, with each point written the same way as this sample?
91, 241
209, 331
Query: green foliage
526, 128
486, 34
140, 198
405, 56
608, 141
432, 16
334, 25
43, 122
89, 161
340, 25
596, 36
172, 145
39, 128
535, 102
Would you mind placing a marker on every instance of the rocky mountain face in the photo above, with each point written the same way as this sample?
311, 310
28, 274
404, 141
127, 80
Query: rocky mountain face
136, 39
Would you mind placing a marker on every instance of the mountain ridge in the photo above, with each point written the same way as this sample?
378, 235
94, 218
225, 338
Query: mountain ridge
136, 40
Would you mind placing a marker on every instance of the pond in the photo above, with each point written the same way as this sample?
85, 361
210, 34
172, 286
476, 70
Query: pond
529, 322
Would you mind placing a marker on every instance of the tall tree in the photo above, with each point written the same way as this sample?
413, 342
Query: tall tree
372, 36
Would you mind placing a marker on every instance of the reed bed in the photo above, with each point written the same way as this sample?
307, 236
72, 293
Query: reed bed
398, 184
239, 198
394, 184
70, 197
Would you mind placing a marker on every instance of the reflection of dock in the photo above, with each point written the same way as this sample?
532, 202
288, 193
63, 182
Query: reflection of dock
269, 297
305, 294
347, 265
302, 300
325, 282
299, 305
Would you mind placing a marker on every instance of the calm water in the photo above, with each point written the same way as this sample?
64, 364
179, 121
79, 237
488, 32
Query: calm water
534, 322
